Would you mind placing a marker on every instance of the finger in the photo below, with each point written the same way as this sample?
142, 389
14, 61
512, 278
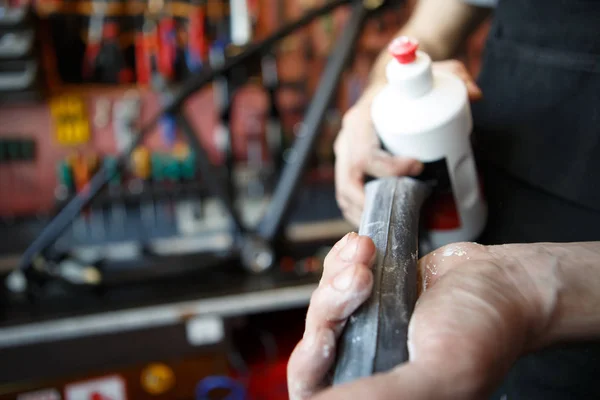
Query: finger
349, 184
337, 297
473, 91
382, 164
351, 249
309, 363
334, 300
459, 69
352, 212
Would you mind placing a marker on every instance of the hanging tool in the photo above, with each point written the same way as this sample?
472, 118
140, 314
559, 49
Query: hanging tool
111, 66
141, 164
195, 51
126, 114
167, 48
94, 41
241, 23
224, 86
110, 163
161, 52
254, 10
168, 122
187, 161
65, 177
147, 44
146, 49
81, 171
375, 336
143, 168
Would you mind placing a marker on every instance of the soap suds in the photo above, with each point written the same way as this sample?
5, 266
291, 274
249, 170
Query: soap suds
414, 256
432, 271
432, 268
454, 250
308, 340
326, 351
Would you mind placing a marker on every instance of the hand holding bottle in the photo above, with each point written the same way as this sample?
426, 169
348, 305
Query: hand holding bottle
358, 149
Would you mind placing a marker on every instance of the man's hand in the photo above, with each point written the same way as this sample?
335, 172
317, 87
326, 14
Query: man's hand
358, 150
479, 310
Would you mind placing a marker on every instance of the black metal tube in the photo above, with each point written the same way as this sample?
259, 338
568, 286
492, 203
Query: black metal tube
375, 337
305, 142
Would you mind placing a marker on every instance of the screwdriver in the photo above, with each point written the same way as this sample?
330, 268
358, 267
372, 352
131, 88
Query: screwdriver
196, 45
143, 169
95, 30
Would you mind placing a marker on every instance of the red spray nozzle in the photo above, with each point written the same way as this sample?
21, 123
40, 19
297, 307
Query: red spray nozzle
404, 49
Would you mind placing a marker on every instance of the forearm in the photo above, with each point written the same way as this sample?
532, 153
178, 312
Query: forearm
440, 26
566, 279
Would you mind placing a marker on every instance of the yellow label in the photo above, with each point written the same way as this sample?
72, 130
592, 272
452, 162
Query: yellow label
157, 378
70, 120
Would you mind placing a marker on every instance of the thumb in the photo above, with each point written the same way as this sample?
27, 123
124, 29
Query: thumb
382, 164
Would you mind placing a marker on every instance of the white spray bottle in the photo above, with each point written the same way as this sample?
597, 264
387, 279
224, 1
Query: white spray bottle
425, 115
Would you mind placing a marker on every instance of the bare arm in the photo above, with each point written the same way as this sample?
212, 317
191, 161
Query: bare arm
568, 277
440, 26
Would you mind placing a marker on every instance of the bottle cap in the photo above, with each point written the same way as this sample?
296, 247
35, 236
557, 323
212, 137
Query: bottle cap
404, 49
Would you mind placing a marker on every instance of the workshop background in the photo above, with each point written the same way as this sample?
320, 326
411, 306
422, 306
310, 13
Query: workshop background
139, 298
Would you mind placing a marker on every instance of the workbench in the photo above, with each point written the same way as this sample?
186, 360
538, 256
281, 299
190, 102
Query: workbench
171, 319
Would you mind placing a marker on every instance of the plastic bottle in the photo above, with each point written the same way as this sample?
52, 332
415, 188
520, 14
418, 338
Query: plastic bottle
425, 115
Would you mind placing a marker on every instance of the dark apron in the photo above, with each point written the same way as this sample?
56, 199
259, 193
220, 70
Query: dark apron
537, 139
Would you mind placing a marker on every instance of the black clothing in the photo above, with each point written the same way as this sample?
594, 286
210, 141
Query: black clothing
537, 139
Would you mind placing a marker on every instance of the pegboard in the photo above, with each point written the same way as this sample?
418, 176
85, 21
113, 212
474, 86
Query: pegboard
28, 188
